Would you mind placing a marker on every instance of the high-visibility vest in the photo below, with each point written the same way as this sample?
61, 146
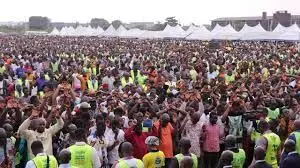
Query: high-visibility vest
47, 78
42, 94
123, 164
138, 75
124, 82
41, 161
81, 156
180, 157
271, 152
273, 114
229, 79
91, 86
20, 82
297, 136
238, 159
17, 94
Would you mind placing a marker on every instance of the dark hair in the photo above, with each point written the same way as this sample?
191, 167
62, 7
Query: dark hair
37, 145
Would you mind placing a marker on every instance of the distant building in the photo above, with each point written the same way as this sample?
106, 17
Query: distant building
140, 25
267, 22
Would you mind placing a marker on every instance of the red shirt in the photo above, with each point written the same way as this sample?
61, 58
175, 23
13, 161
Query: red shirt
138, 141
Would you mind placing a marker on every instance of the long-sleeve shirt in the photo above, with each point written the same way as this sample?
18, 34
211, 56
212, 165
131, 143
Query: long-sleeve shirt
45, 137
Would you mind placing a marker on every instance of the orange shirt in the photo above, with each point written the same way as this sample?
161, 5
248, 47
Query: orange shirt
166, 142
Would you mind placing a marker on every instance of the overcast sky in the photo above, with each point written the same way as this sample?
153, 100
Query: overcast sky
187, 11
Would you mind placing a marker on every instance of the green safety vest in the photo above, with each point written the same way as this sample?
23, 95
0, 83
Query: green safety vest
41, 161
273, 114
91, 86
123, 164
180, 157
47, 78
17, 95
229, 79
238, 159
81, 156
20, 82
271, 152
124, 82
297, 136
138, 76
2, 69
42, 94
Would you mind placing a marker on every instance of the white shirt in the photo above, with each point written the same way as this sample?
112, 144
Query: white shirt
113, 155
30, 163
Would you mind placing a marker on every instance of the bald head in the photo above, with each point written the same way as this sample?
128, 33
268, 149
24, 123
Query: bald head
64, 156
226, 158
195, 117
230, 141
186, 162
259, 153
185, 144
289, 146
297, 124
126, 149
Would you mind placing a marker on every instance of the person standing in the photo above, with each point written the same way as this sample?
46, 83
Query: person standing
259, 155
239, 155
64, 159
192, 131
211, 141
165, 131
295, 136
41, 159
270, 142
185, 145
40, 133
83, 155
127, 160
292, 160
155, 158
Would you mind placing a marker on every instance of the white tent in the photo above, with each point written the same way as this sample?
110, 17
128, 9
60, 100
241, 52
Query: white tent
200, 34
121, 30
151, 35
110, 32
98, 31
248, 29
173, 32
190, 30
280, 29
248, 33
131, 33
55, 32
292, 33
225, 33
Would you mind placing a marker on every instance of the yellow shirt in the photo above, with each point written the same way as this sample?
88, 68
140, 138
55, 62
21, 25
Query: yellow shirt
155, 159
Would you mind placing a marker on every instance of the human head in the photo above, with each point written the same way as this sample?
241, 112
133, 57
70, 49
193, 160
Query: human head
64, 156
165, 119
186, 162
152, 142
126, 149
9, 129
259, 153
185, 145
226, 158
72, 128
230, 142
213, 118
297, 125
80, 135
3, 137
37, 147
289, 146
195, 117
263, 126
40, 125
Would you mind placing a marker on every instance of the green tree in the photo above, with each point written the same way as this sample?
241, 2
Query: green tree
116, 23
172, 21
97, 22
39, 23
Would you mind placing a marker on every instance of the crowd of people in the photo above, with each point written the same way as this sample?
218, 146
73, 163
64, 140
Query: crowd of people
89, 102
